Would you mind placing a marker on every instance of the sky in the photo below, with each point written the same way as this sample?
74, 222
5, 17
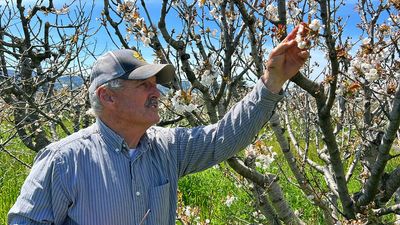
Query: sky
154, 8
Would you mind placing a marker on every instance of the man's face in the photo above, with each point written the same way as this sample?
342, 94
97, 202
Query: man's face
136, 103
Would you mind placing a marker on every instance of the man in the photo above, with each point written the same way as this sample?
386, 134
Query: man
122, 169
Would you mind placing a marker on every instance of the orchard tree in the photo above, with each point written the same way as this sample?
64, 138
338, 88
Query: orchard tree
42, 56
345, 109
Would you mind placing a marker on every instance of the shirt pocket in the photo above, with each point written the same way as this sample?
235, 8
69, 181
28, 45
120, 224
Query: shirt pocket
159, 205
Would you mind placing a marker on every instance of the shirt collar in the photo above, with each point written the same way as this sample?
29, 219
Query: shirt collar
116, 142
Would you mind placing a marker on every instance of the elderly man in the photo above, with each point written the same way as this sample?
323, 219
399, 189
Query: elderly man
122, 169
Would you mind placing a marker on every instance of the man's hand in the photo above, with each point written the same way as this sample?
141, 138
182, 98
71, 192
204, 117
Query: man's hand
284, 62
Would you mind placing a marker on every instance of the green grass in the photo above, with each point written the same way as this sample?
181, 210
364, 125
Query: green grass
12, 176
208, 190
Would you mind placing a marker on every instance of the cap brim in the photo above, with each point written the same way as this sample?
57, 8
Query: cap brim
164, 73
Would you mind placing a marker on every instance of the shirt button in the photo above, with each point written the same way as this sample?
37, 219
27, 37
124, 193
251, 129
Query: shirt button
137, 193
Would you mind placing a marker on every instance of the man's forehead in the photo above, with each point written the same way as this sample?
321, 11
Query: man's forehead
151, 79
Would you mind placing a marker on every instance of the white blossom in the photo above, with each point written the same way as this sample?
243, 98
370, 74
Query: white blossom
146, 41
216, 3
214, 32
298, 37
38, 130
90, 112
64, 10
294, 11
187, 211
179, 106
214, 13
397, 75
201, 3
175, 3
315, 25
313, 7
365, 67
272, 12
366, 41
150, 34
264, 161
250, 151
139, 22
229, 200
310, 197
207, 78
289, 19
372, 75
119, 7
302, 44
301, 29
128, 37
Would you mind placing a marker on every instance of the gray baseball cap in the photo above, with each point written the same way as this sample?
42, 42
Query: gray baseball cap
123, 64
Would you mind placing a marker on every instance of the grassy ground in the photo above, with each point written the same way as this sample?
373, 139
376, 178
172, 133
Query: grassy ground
12, 176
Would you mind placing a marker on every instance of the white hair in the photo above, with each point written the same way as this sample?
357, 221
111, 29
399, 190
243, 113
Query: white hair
95, 103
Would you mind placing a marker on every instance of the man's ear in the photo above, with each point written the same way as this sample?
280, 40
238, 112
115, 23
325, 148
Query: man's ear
106, 96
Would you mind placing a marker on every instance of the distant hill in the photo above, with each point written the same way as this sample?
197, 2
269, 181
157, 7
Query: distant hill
66, 81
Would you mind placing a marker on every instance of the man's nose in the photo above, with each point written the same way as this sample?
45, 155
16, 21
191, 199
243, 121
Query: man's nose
155, 91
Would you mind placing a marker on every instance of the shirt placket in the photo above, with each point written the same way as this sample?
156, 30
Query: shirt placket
138, 192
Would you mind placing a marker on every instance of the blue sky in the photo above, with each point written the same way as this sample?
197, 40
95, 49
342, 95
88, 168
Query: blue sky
154, 8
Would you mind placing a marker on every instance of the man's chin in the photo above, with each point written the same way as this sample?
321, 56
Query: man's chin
156, 121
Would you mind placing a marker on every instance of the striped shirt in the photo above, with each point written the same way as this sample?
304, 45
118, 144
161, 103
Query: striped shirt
88, 178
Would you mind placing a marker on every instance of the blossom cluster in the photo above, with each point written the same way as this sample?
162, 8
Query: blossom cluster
307, 33
229, 200
366, 66
201, 3
207, 78
263, 154
191, 215
181, 102
272, 12
136, 24
294, 10
258, 215
370, 67
64, 10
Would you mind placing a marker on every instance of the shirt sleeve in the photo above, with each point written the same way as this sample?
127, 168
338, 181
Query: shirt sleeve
42, 199
202, 147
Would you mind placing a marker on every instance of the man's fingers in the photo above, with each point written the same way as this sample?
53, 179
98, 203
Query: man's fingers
282, 47
291, 35
304, 55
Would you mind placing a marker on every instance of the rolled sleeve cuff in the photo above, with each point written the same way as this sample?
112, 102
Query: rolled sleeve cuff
265, 94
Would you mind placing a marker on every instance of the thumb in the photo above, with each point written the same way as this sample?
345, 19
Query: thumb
303, 55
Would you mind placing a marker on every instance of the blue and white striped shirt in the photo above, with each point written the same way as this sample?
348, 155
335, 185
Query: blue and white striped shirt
88, 178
